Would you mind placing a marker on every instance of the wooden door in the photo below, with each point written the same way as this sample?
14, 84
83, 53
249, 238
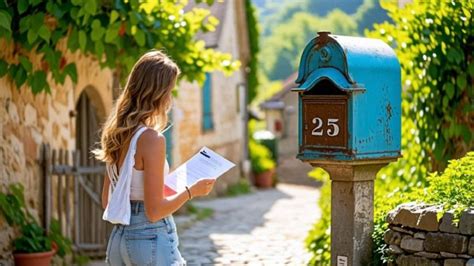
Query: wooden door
91, 232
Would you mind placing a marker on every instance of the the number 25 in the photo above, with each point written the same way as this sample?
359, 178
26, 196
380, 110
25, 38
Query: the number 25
318, 130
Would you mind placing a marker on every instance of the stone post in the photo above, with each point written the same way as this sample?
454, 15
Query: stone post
352, 210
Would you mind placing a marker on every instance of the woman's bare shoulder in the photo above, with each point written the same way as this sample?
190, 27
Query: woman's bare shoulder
151, 141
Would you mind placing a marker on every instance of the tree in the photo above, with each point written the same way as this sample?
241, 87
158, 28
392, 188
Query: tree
283, 48
368, 13
115, 32
324, 7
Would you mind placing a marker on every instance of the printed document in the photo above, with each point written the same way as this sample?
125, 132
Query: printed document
203, 165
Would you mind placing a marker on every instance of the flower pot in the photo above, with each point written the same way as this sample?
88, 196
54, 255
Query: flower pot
265, 179
34, 259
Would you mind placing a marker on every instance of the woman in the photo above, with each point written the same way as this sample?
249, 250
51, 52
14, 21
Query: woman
133, 194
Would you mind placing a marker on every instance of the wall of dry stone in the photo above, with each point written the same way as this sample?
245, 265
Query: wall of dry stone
27, 121
417, 237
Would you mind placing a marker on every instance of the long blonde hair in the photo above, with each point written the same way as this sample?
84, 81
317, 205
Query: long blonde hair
146, 100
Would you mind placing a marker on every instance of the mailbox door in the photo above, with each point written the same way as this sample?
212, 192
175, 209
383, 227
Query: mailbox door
324, 122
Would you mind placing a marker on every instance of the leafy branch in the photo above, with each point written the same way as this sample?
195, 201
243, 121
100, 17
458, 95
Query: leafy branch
115, 33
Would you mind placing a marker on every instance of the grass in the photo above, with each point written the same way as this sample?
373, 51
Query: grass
200, 213
81, 260
240, 188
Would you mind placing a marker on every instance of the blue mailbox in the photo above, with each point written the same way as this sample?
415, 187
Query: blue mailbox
349, 100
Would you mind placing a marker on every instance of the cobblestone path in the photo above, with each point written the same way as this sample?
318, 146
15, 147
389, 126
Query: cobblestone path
264, 228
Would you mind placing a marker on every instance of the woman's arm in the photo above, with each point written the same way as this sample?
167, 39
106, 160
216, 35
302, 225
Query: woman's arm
105, 191
152, 147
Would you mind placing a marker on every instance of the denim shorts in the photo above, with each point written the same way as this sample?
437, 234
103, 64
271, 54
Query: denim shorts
143, 242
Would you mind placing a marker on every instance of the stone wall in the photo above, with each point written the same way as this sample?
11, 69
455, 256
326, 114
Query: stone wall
288, 144
416, 236
27, 121
226, 137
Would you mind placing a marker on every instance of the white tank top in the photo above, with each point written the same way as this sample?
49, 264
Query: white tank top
136, 188
118, 209
137, 182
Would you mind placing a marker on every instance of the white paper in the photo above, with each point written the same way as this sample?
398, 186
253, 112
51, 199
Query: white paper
203, 165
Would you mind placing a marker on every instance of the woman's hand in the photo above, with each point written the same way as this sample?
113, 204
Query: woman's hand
202, 187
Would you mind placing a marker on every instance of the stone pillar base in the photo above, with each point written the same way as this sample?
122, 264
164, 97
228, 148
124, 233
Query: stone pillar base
352, 211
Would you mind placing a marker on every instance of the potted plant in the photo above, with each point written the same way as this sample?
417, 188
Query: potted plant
263, 166
32, 246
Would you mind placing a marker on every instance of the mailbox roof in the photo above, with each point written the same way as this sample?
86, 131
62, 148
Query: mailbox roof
351, 59
331, 74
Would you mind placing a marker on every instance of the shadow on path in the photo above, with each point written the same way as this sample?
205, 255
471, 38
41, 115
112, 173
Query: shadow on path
265, 227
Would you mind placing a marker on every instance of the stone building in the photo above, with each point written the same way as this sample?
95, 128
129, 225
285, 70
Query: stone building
213, 115
68, 118
281, 118
28, 121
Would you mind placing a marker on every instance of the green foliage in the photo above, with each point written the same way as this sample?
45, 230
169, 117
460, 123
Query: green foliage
322, 8
200, 213
283, 48
289, 25
63, 244
434, 42
319, 237
389, 193
368, 13
114, 32
253, 30
33, 238
240, 188
81, 260
12, 206
422, 36
260, 157
274, 13
454, 187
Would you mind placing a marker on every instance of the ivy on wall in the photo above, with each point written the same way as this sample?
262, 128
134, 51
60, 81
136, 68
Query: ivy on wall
434, 41
252, 25
115, 32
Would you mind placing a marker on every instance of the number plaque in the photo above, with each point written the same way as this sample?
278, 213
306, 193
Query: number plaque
325, 121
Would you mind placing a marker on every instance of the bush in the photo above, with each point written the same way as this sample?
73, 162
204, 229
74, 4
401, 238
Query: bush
32, 237
260, 157
240, 188
319, 238
432, 40
452, 189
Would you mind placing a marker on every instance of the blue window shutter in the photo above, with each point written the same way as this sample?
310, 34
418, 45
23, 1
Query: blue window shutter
207, 122
169, 140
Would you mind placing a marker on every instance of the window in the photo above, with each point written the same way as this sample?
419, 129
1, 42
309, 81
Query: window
169, 139
207, 122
